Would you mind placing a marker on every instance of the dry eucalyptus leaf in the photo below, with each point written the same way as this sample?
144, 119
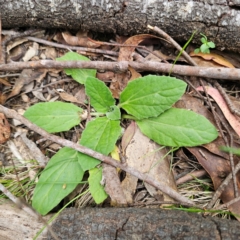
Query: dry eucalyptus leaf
79, 41
68, 97
113, 186
31, 52
147, 157
26, 77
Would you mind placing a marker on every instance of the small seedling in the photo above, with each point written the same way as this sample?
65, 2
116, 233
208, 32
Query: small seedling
147, 100
206, 45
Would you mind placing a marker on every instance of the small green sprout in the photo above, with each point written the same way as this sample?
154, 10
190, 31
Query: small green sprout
205, 45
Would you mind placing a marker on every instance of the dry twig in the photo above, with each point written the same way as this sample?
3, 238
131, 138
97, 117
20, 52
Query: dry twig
122, 66
174, 43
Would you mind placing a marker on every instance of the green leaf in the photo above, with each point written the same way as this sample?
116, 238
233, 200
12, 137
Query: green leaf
96, 189
100, 95
211, 44
151, 95
204, 40
60, 177
114, 113
204, 48
178, 127
197, 50
80, 75
100, 135
54, 116
87, 162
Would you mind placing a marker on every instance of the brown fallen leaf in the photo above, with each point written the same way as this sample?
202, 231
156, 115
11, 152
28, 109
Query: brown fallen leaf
112, 182
3, 98
125, 53
218, 168
158, 56
233, 120
232, 57
134, 74
106, 76
16, 42
5, 82
214, 161
119, 82
69, 98
50, 53
31, 52
127, 136
26, 76
213, 57
113, 186
83, 41
147, 157
5, 130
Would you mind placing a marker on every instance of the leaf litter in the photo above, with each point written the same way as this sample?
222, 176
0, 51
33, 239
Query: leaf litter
137, 150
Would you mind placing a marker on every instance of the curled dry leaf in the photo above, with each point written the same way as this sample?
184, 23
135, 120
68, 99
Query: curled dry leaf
4, 129
213, 57
106, 76
125, 53
120, 80
70, 98
79, 41
15, 43
134, 74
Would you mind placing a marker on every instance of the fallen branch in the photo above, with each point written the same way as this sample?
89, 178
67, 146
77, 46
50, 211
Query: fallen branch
122, 66
63, 142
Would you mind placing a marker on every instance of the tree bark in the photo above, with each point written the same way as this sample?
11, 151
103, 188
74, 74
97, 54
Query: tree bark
136, 223
219, 20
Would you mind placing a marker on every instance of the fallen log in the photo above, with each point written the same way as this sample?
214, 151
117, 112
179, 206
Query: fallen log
217, 19
136, 223
116, 223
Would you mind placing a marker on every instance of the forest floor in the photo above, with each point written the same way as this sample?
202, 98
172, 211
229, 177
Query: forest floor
201, 173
